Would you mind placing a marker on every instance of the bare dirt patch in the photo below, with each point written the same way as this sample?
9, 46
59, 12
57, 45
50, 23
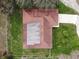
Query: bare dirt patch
77, 1
3, 33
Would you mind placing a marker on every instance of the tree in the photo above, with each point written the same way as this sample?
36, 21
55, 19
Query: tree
37, 3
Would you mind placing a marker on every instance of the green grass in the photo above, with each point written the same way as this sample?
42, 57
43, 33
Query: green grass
65, 39
16, 38
65, 10
15, 41
18, 57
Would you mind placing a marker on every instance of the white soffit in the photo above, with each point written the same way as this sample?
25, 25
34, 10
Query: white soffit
33, 33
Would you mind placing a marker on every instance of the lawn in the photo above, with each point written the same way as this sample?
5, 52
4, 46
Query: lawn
16, 41
65, 38
64, 9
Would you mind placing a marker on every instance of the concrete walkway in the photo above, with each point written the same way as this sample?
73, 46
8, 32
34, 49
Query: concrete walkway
77, 24
72, 4
72, 19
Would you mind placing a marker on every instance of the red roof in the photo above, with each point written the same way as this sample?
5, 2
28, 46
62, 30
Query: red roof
47, 19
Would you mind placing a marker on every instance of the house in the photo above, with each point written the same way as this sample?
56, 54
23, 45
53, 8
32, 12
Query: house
37, 27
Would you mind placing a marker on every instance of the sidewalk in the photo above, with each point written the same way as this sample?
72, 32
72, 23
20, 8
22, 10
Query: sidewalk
68, 18
77, 24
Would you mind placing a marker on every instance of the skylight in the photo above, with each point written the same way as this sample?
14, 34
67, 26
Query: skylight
33, 33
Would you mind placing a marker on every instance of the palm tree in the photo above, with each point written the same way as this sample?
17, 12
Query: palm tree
37, 3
